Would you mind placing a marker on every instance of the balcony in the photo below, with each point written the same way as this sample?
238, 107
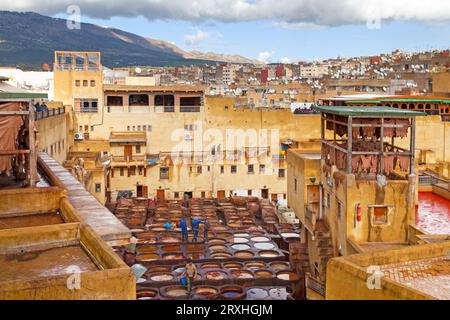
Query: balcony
126, 161
39, 115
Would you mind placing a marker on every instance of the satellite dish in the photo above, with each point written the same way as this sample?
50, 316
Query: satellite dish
138, 70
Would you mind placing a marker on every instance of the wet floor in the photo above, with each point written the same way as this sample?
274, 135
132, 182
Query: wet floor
34, 220
434, 213
51, 262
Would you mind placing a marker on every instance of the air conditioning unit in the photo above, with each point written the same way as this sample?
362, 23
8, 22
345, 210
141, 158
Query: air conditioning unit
78, 136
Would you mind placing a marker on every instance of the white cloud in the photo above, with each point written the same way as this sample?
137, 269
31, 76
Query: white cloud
285, 60
194, 39
264, 56
299, 13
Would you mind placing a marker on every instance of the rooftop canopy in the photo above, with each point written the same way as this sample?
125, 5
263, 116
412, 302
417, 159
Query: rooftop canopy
367, 111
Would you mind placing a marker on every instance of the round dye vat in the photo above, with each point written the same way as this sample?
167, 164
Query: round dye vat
244, 254
206, 292
179, 271
233, 265
263, 273
217, 247
175, 292
268, 253
240, 246
218, 228
255, 265
224, 235
260, 239
220, 255
171, 248
232, 292
217, 240
210, 266
195, 247
196, 255
169, 239
287, 275
161, 277
241, 235
215, 275
240, 240
148, 257
279, 265
157, 229
146, 249
173, 256
146, 235
290, 235
264, 245
146, 294
158, 269
257, 293
242, 274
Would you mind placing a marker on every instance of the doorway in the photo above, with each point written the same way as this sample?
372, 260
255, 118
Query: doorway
265, 193
221, 194
128, 152
187, 195
160, 195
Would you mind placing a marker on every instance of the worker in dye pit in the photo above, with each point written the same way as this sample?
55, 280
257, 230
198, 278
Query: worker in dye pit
195, 228
190, 273
184, 230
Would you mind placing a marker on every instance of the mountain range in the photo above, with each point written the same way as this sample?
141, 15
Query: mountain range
29, 39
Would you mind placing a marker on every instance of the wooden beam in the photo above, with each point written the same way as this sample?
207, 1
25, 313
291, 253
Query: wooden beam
349, 144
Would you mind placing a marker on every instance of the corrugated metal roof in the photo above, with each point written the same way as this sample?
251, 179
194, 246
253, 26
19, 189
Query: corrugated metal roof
362, 111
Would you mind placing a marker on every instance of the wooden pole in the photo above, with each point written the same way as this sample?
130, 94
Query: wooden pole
382, 146
412, 143
32, 145
349, 144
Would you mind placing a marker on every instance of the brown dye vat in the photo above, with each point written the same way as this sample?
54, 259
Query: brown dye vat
232, 292
147, 294
262, 273
206, 292
146, 249
171, 248
217, 240
175, 292
224, 234
160, 277
144, 235
158, 269
268, 253
34, 220
244, 254
220, 255
196, 255
195, 247
287, 275
173, 256
242, 274
169, 239
255, 265
219, 228
216, 275
148, 257
279, 265
210, 265
233, 265
217, 247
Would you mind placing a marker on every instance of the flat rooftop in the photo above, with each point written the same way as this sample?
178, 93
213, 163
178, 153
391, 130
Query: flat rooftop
368, 111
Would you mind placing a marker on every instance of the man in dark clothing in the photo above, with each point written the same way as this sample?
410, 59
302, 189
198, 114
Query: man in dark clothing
195, 228
184, 230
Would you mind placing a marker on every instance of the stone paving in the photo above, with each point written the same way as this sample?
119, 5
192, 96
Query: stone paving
431, 276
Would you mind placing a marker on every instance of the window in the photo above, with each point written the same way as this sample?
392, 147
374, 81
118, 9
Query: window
262, 168
105, 153
284, 196
77, 83
92, 83
203, 194
163, 173
208, 168
149, 128
295, 185
138, 149
140, 171
132, 171
222, 169
199, 169
379, 214
138, 100
144, 128
85, 83
281, 173
98, 187
249, 192
86, 105
86, 128
167, 101
128, 128
233, 169
138, 128
250, 169
114, 101
190, 104
190, 127
339, 210
92, 128
176, 195
328, 204
121, 172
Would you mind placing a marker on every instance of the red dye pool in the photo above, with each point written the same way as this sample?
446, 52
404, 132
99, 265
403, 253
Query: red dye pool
434, 213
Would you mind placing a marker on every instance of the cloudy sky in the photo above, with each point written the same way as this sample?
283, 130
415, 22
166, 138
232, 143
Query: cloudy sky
269, 30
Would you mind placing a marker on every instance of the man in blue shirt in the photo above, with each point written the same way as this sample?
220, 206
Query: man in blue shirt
195, 228
184, 230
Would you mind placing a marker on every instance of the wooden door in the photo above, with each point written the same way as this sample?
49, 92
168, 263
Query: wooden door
128, 152
265, 193
160, 195
274, 197
139, 191
145, 191
221, 194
